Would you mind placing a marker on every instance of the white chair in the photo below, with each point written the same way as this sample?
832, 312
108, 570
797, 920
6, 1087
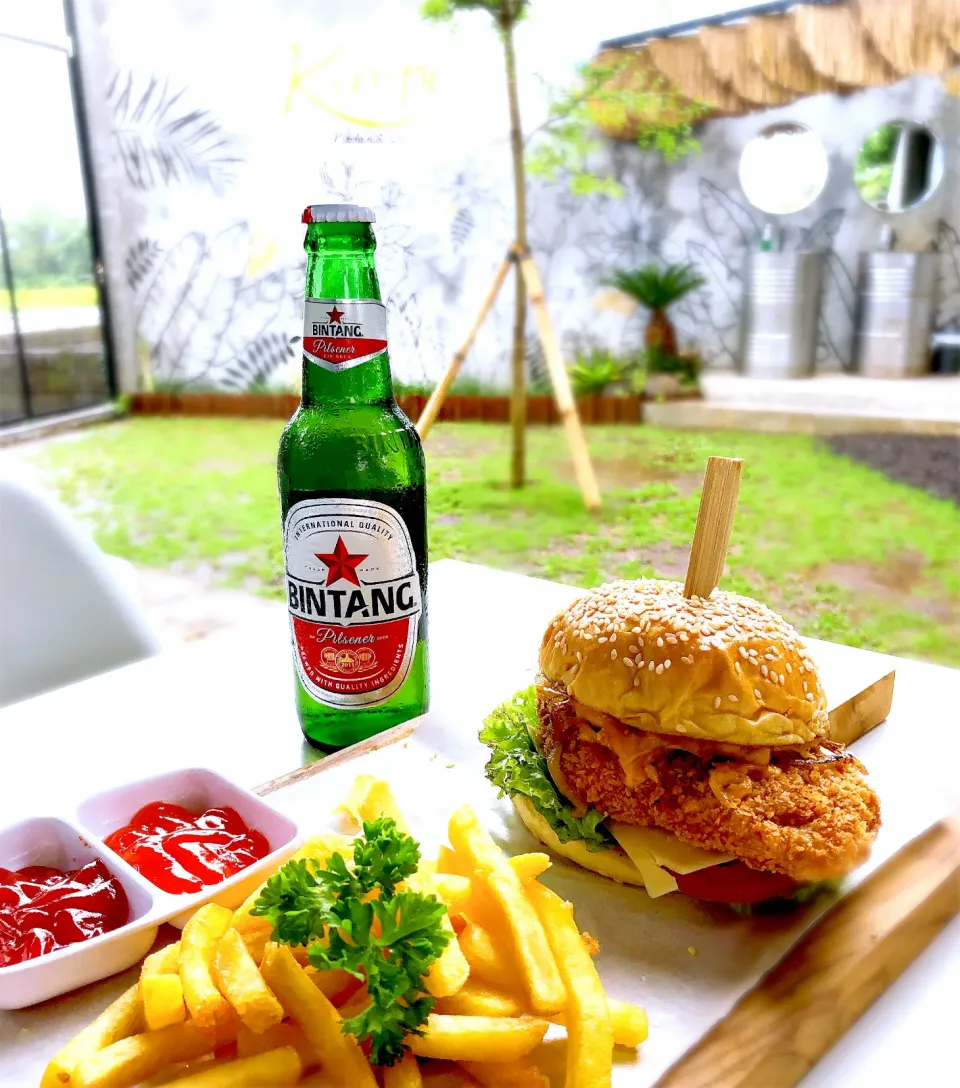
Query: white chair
64, 615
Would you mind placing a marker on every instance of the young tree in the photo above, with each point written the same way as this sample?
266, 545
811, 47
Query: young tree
506, 14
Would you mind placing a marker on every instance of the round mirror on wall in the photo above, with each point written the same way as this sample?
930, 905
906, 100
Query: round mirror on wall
783, 169
899, 166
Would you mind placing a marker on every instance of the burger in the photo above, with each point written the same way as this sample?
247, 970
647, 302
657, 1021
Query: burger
683, 744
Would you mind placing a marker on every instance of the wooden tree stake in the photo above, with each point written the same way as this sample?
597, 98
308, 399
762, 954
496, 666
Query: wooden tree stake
566, 405
432, 408
528, 278
718, 504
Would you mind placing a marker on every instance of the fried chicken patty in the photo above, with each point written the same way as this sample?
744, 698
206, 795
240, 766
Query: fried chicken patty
806, 819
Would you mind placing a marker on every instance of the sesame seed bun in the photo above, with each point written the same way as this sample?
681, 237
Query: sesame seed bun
725, 668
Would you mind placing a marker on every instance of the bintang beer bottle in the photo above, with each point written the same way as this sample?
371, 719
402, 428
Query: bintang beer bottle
351, 477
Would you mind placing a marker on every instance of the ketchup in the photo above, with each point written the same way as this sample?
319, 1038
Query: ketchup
43, 909
180, 853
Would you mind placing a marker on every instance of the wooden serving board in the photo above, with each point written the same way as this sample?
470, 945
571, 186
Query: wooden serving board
776, 1034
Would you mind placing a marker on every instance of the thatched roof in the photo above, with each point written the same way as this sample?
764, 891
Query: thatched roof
770, 60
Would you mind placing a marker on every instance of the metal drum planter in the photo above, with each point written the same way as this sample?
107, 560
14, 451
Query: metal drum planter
781, 314
897, 300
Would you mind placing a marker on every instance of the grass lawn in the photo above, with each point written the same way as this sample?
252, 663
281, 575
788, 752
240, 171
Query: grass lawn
842, 551
48, 298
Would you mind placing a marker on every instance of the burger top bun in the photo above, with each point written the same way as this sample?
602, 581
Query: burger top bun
723, 668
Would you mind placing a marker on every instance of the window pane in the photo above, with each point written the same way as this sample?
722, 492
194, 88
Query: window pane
42, 199
11, 389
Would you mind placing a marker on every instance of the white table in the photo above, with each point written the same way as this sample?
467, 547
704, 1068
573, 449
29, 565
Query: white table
227, 703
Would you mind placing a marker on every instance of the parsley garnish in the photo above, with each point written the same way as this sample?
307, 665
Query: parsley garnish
352, 916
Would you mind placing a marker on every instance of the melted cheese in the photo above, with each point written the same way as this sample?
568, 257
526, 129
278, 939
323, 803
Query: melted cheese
654, 851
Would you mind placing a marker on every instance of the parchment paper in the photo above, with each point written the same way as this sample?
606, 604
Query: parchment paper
645, 944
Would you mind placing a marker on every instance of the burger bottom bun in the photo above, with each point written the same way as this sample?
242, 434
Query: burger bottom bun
607, 862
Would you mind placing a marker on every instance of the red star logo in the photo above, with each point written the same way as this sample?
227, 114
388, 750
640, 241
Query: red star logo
335, 314
341, 564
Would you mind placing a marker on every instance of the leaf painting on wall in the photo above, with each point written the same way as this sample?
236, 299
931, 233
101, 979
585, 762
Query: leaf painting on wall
838, 292
162, 141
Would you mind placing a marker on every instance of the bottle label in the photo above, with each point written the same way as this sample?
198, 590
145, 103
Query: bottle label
354, 597
339, 333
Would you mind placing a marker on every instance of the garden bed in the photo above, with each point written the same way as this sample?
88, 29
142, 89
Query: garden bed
540, 409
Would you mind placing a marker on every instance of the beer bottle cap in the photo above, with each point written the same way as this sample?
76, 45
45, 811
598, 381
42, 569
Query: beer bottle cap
337, 213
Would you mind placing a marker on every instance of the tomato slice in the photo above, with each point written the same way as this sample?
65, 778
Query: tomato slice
735, 882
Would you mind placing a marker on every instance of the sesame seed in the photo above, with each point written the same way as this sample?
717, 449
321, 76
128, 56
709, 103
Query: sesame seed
809, 696
687, 660
613, 637
789, 667
765, 670
628, 661
659, 670
613, 655
640, 662
601, 640
636, 681
757, 693
683, 636
805, 685
736, 665
716, 703
634, 649
672, 639
579, 656
742, 651
651, 666
681, 728
732, 698
667, 663
587, 635
659, 641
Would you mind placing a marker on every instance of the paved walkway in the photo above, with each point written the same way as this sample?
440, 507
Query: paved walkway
831, 404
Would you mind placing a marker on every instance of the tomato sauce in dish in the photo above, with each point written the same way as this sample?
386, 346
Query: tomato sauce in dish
43, 909
181, 853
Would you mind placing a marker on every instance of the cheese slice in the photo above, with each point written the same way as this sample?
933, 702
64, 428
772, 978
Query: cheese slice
654, 851
666, 849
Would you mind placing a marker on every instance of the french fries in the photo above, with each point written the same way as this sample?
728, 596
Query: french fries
544, 984
207, 1005
476, 999
277, 1068
518, 1074
488, 962
139, 1057
252, 1012
589, 1030
477, 1038
630, 1025
526, 866
162, 997
319, 1020
250, 1042
116, 1022
369, 799
454, 890
241, 983
405, 1074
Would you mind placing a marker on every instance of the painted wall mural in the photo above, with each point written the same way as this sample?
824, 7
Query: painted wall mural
220, 125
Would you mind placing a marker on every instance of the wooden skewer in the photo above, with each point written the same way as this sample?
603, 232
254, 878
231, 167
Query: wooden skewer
711, 538
432, 408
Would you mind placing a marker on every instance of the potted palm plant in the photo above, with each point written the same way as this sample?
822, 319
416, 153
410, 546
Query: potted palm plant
658, 287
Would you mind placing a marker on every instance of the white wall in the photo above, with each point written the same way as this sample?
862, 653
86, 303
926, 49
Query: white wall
216, 121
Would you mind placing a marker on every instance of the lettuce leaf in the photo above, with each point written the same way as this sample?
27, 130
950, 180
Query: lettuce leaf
806, 893
517, 767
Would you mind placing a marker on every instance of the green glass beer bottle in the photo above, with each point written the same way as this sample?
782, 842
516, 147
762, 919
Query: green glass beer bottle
352, 499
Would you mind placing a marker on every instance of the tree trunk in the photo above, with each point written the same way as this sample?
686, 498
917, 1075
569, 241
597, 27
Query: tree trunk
518, 398
661, 333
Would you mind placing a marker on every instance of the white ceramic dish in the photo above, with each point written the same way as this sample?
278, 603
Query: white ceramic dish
69, 843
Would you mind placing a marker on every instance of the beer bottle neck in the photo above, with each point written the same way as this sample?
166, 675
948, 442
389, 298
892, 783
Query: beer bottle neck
340, 266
